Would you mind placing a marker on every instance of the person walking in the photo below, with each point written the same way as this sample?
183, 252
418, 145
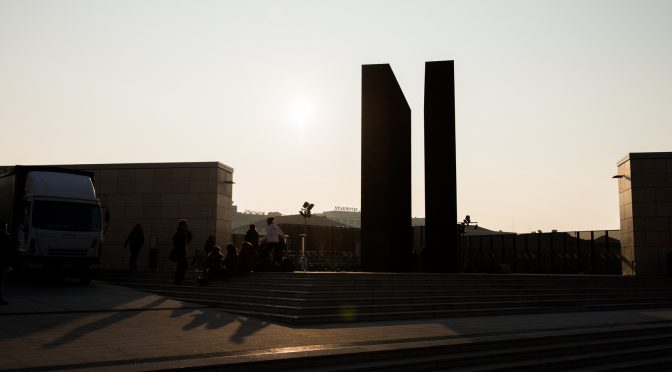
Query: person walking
181, 239
135, 239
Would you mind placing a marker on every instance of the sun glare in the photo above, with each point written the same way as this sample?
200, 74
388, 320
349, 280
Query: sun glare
301, 112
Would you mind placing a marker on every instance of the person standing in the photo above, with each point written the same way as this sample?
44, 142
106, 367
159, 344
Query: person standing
181, 239
272, 240
252, 236
135, 239
248, 257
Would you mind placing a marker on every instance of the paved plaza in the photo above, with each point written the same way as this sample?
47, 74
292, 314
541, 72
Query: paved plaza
64, 326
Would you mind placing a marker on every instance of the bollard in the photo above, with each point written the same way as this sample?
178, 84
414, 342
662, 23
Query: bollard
303, 261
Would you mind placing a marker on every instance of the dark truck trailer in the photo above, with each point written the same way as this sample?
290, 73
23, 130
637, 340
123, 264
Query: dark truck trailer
54, 218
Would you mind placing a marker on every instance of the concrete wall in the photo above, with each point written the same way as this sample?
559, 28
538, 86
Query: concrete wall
156, 196
645, 200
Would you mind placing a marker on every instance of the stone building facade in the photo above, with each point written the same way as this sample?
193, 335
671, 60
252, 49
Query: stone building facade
156, 195
645, 200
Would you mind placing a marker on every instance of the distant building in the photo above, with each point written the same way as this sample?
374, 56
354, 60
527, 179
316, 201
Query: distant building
287, 220
245, 218
353, 217
345, 215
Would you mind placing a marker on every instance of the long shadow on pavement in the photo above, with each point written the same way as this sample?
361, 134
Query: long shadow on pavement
38, 305
98, 325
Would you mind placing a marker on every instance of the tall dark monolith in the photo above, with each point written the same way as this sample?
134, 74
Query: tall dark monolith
441, 252
386, 172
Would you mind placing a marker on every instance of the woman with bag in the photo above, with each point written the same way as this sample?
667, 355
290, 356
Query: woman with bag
181, 238
135, 240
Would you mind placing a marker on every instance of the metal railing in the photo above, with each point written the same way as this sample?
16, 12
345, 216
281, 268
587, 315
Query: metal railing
328, 248
334, 248
579, 252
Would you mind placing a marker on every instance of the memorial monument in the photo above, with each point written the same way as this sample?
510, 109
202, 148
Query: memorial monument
386, 171
441, 253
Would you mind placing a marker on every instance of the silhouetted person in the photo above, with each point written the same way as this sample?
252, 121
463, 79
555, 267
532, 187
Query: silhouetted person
5, 250
248, 257
279, 250
231, 260
135, 240
181, 239
198, 261
214, 266
272, 240
209, 245
252, 236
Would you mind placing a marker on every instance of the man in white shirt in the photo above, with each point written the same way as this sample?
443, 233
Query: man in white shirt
273, 240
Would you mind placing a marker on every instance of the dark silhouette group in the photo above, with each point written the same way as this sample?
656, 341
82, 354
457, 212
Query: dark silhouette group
213, 262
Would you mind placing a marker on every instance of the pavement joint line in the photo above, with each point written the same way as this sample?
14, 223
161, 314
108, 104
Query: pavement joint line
316, 350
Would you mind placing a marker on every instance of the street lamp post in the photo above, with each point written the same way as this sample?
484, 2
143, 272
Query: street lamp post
305, 212
462, 228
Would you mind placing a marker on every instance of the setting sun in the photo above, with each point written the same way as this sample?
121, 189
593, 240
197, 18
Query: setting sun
301, 111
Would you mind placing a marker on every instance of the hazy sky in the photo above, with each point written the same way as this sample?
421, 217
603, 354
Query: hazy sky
549, 94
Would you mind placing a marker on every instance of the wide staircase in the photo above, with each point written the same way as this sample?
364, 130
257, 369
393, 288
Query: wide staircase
309, 298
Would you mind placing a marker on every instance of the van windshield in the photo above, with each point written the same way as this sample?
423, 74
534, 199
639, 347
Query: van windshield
65, 216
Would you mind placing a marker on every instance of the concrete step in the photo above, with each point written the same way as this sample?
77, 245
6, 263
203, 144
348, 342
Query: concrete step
571, 361
368, 290
414, 278
303, 306
368, 294
311, 296
651, 364
301, 314
291, 315
564, 351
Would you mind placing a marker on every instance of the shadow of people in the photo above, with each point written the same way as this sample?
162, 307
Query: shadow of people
97, 325
209, 319
182, 312
248, 327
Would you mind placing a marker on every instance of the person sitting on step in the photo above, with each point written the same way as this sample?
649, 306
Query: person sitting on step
214, 266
